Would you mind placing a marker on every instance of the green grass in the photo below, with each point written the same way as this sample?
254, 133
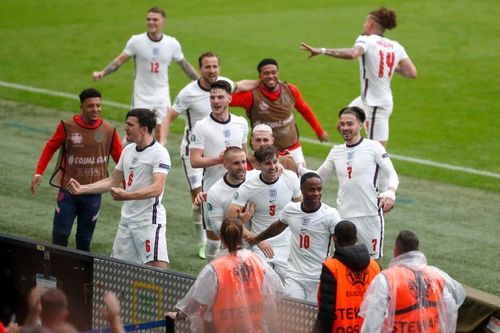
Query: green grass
449, 114
458, 226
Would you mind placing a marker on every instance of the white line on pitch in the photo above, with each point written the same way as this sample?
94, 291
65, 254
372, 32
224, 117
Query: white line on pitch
308, 140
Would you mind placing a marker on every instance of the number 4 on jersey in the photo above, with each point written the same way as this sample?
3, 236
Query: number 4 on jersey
387, 59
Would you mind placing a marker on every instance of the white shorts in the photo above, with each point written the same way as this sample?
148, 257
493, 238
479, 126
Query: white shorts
306, 290
160, 110
278, 262
377, 120
297, 155
371, 233
194, 176
140, 243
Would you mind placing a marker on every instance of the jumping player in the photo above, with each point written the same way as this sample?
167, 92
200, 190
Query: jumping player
379, 57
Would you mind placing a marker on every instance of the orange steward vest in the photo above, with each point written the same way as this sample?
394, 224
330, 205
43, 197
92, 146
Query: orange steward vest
238, 306
417, 295
351, 287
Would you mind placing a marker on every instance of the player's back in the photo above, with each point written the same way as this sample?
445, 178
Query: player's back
377, 66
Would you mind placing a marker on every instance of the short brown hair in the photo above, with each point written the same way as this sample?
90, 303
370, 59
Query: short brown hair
385, 17
157, 10
208, 54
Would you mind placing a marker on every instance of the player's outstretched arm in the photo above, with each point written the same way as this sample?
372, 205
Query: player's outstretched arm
112, 67
150, 191
188, 69
273, 230
101, 186
344, 53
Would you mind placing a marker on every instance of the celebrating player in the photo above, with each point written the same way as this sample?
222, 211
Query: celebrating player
152, 52
143, 166
270, 193
85, 142
379, 57
357, 164
311, 225
211, 136
272, 103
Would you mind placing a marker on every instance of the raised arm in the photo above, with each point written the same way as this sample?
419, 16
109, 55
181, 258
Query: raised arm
188, 69
344, 53
112, 67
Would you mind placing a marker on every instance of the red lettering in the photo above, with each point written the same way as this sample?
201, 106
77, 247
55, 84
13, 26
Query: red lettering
148, 246
155, 67
272, 209
304, 241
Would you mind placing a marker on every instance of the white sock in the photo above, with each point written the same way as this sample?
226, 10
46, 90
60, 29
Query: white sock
211, 249
201, 237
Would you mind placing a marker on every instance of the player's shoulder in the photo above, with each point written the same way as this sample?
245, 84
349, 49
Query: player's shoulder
189, 89
166, 39
329, 211
238, 119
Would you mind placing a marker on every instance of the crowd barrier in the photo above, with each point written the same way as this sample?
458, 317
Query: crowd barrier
147, 293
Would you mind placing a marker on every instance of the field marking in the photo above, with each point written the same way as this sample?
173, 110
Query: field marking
308, 140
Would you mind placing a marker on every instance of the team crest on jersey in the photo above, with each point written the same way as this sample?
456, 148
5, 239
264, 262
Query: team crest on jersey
193, 137
227, 133
134, 160
285, 99
76, 138
384, 155
273, 194
350, 155
236, 195
305, 222
99, 137
156, 51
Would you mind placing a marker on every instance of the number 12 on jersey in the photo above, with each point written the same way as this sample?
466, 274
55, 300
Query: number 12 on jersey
155, 67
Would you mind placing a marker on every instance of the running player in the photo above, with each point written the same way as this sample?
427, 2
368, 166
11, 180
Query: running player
153, 51
312, 223
357, 164
379, 57
144, 165
270, 193
272, 103
210, 138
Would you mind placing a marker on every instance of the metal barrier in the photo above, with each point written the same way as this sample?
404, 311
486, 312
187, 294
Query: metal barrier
145, 293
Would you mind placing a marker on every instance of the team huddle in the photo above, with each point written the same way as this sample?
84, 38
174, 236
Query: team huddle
257, 174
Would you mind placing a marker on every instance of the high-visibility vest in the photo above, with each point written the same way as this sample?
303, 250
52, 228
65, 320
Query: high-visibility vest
351, 287
415, 296
238, 306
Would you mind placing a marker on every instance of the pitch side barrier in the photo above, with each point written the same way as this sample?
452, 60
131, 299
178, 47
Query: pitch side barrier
146, 293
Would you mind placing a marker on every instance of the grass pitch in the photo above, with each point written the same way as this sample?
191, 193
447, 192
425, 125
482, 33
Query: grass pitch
449, 114
458, 226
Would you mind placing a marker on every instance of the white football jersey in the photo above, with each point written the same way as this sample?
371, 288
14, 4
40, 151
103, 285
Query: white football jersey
310, 238
219, 197
357, 168
376, 68
214, 137
269, 200
151, 86
138, 168
193, 104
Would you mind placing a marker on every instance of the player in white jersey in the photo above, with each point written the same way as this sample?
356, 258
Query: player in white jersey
357, 164
153, 51
193, 104
270, 193
379, 57
143, 166
311, 224
212, 135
